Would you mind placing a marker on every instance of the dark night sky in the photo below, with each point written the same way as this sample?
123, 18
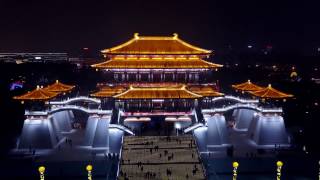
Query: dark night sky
59, 26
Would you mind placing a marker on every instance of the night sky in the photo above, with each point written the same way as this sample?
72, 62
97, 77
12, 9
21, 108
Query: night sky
67, 26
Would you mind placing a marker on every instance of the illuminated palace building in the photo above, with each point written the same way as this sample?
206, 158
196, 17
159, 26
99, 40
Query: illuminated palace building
153, 73
153, 86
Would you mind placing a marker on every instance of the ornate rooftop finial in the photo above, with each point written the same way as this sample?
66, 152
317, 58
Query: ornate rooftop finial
175, 35
136, 35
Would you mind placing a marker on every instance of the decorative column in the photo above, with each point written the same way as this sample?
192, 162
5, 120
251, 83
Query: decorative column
115, 76
127, 78
196, 77
123, 76
190, 77
185, 76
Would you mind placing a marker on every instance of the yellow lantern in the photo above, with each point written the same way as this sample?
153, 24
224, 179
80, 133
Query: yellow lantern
235, 168
89, 169
41, 171
279, 166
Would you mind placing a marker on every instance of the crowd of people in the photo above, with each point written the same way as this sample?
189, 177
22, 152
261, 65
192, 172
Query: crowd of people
160, 157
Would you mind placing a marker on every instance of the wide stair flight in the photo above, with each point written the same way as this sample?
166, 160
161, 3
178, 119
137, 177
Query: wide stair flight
160, 157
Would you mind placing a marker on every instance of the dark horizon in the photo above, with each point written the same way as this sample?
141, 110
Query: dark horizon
58, 26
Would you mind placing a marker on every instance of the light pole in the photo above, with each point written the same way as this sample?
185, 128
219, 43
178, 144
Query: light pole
279, 166
89, 169
41, 171
235, 168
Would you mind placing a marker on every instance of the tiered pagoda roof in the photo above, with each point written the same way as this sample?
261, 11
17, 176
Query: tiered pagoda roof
206, 91
270, 92
156, 63
247, 86
109, 91
156, 52
59, 87
170, 92
156, 45
37, 94
152, 90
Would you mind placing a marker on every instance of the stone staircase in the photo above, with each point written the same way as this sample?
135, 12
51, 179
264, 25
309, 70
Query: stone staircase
160, 157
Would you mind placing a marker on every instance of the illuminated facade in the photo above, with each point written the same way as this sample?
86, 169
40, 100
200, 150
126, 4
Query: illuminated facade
150, 72
156, 59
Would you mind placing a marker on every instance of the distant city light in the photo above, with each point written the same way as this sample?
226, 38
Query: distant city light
269, 47
249, 46
301, 131
85, 48
318, 49
37, 57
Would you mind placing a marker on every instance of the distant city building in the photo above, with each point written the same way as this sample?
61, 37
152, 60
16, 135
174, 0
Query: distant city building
33, 57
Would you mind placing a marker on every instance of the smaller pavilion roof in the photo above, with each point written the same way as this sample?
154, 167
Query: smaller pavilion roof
270, 92
37, 94
206, 91
247, 86
155, 45
170, 92
59, 87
